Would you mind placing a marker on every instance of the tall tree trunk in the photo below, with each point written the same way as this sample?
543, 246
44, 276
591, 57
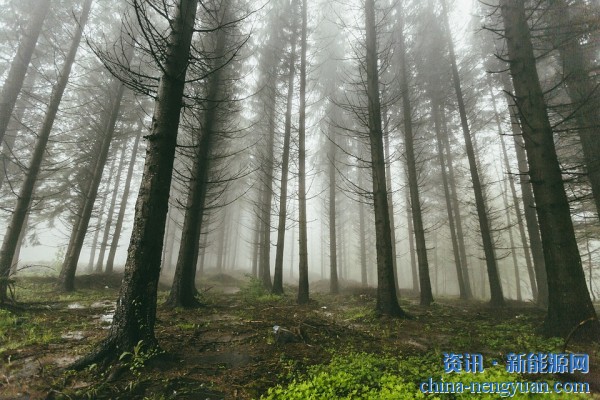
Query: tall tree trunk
517, 205
569, 300
135, 315
387, 298
364, 279
13, 232
69, 267
183, 291
535, 240
97, 228
458, 261
413, 179
511, 240
18, 68
111, 211
455, 203
303, 240
114, 245
581, 89
333, 267
264, 264
256, 238
169, 246
388, 180
497, 298
15, 261
283, 197
411, 247
7, 156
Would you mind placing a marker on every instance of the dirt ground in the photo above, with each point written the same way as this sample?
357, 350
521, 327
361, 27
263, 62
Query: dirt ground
228, 349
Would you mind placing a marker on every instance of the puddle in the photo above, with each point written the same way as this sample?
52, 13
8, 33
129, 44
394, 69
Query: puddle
103, 304
106, 320
75, 335
75, 306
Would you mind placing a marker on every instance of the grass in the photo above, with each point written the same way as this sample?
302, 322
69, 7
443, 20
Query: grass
226, 348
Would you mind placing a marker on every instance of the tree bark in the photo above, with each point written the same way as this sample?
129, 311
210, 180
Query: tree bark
283, 197
387, 298
18, 68
135, 314
535, 240
183, 291
458, 261
569, 300
581, 89
333, 267
497, 299
110, 261
303, 296
426, 295
13, 232
388, 180
111, 211
517, 206
455, 203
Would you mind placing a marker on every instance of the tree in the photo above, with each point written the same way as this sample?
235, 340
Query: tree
580, 88
135, 314
303, 240
18, 69
411, 165
13, 232
387, 300
122, 207
497, 298
569, 301
183, 291
97, 163
285, 162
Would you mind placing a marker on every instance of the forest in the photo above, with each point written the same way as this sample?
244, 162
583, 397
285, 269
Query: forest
294, 199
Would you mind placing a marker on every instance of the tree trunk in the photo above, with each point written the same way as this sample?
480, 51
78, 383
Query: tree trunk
333, 268
517, 205
455, 203
458, 261
183, 291
67, 273
111, 211
569, 300
497, 298
15, 261
283, 197
511, 239
7, 156
581, 89
13, 232
388, 179
18, 68
411, 247
123, 206
135, 314
364, 279
303, 240
535, 240
413, 180
387, 298
97, 229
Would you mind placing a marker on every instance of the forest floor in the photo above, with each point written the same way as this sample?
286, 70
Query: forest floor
228, 349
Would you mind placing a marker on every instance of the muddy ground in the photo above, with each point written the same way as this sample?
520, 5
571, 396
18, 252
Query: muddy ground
228, 349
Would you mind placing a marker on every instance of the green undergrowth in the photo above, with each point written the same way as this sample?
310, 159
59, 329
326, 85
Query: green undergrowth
370, 376
253, 292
